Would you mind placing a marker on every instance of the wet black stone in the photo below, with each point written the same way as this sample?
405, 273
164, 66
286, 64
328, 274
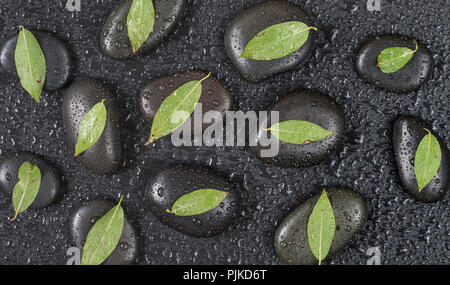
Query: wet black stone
307, 106
408, 78
57, 56
169, 185
50, 182
408, 133
291, 238
115, 42
87, 215
104, 156
252, 21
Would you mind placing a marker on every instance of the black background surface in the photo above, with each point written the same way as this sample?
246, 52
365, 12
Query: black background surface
407, 232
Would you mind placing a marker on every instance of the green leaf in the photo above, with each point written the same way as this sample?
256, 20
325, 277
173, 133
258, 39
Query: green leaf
26, 190
176, 109
103, 237
277, 41
140, 22
299, 132
30, 63
197, 202
427, 160
91, 128
394, 58
321, 227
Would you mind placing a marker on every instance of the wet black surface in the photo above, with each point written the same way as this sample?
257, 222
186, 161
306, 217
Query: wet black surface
407, 231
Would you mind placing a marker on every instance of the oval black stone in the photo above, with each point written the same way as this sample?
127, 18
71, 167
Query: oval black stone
50, 183
408, 133
408, 78
87, 215
115, 42
291, 238
104, 156
169, 185
252, 21
308, 106
57, 56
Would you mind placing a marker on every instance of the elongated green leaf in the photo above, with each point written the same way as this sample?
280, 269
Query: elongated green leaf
277, 41
198, 202
104, 236
427, 160
26, 190
30, 63
176, 109
140, 22
321, 227
394, 58
91, 128
299, 132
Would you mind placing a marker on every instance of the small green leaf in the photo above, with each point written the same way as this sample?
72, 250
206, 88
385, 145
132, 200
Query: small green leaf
197, 202
30, 63
299, 132
427, 160
176, 109
140, 22
26, 190
277, 41
394, 58
91, 128
103, 237
321, 227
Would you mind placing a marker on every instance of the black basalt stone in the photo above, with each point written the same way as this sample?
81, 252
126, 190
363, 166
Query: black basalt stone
252, 21
114, 40
291, 238
104, 156
87, 215
169, 185
408, 133
408, 78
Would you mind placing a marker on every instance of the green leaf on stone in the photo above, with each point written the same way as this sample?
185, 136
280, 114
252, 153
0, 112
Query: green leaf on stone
321, 227
393, 59
299, 132
26, 190
277, 41
197, 202
427, 160
140, 22
103, 237
176, 109
91, 128
30, 63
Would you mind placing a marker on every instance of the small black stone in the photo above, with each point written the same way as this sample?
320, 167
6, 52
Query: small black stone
115, 42
104, 156
252, 21
291, 238
408, 133
50, 183
408, 78
87, 215
169, 185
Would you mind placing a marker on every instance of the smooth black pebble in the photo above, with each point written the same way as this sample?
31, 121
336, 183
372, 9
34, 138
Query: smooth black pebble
408, 133
114, 40
87, 215
291, 238
308, 106
104, 156
252, 21
50, 182
58, 59
163, 190
408, 78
